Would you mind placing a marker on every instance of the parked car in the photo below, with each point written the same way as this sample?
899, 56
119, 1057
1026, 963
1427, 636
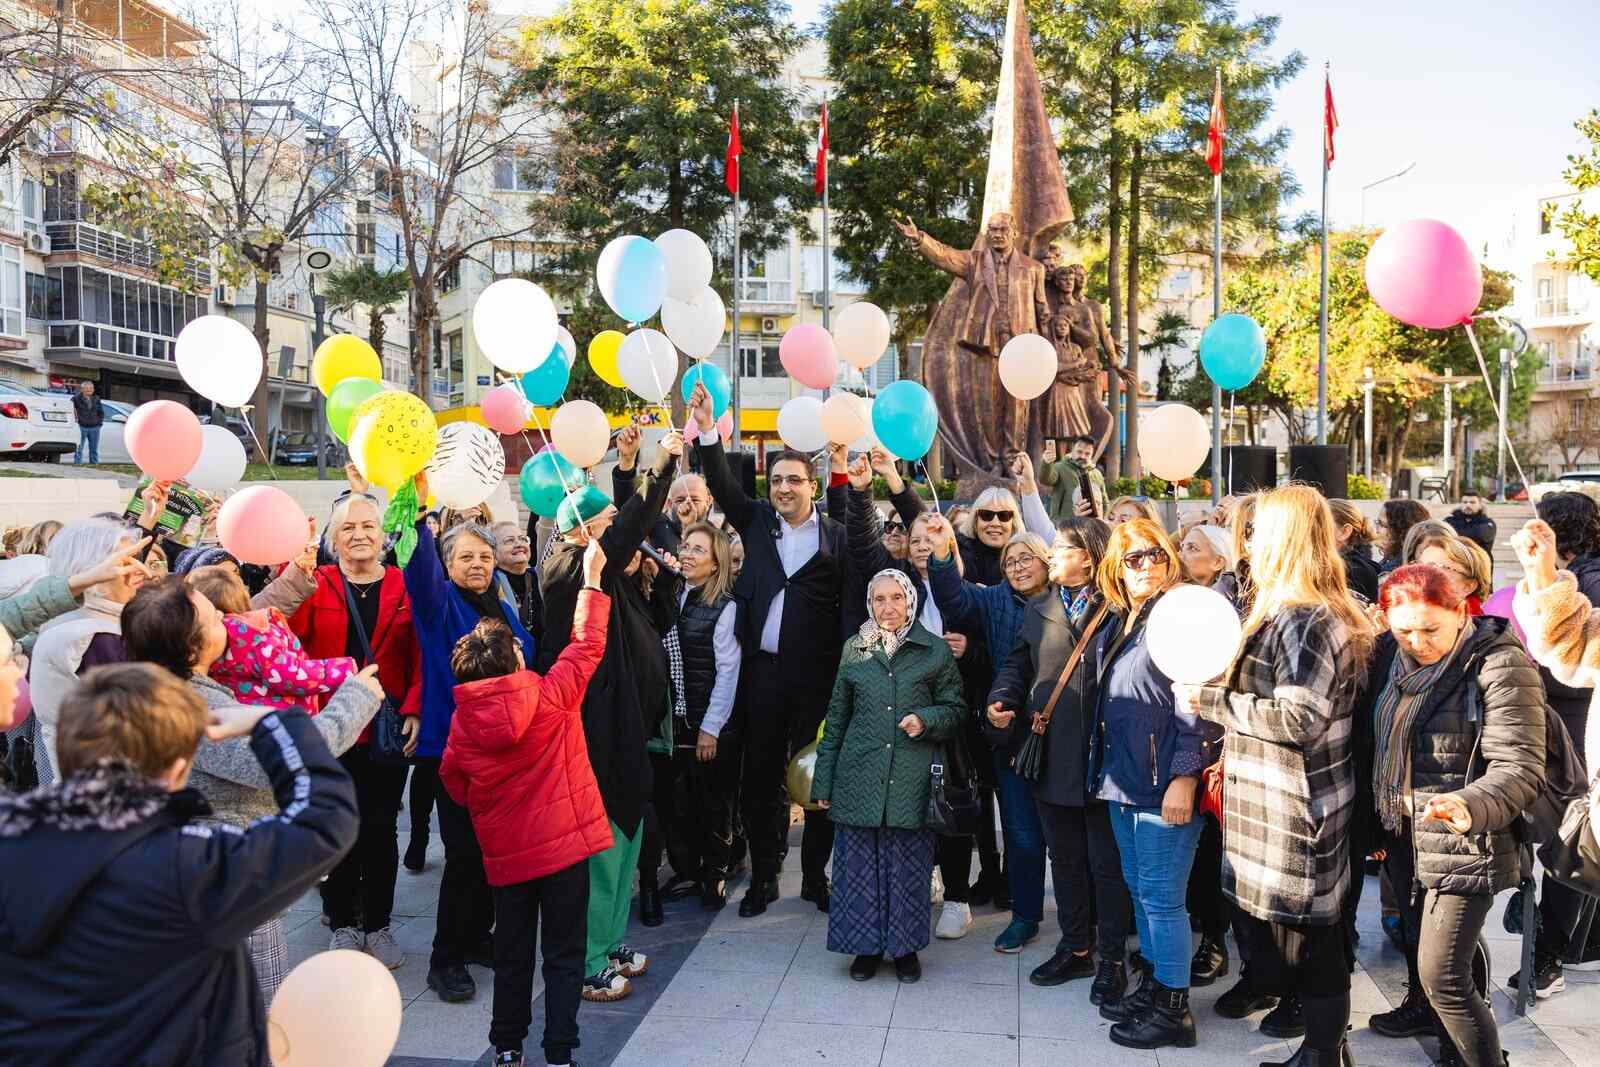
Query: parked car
35, 424
1586, 482
299, 448
240, 429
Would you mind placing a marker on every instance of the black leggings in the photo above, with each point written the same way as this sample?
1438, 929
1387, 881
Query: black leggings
1092, 901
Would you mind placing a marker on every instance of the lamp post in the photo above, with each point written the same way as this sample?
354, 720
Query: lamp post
1500, 441
1367, 385
1449, 431
1402, 172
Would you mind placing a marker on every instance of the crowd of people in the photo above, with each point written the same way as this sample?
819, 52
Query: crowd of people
195, 743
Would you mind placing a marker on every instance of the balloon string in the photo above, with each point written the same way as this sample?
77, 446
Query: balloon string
244, 417
666, 410
1494, 402
1233, 403
926, 473
565, 486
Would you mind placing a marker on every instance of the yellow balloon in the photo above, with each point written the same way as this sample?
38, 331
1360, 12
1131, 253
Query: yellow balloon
393, 436
344, 356
603, 356
802, 772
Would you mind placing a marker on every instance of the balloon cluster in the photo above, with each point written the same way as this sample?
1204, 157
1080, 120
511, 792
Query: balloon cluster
391, 434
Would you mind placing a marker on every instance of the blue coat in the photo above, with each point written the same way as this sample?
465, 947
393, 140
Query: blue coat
441, 616
999, 609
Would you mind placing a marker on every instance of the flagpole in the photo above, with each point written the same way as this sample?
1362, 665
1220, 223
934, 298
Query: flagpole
827, 252
1322, 321
737, 362
1216, 313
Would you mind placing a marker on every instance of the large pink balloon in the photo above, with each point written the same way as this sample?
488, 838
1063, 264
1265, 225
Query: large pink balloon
807, 353
164, 439
504, 409
1423, 273
262, 525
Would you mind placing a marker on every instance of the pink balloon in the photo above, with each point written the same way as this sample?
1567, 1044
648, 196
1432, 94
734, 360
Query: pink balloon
164, 439
725, 425
262, 525
23, 705
1423, 273
504, 409
807, 353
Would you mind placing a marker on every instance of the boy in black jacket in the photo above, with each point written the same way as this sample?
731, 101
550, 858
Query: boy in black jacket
122, 923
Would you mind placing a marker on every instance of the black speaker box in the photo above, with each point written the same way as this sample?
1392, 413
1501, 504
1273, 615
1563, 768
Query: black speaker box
1325, 466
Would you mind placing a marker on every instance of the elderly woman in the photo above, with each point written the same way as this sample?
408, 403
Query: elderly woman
996, 517
1207, 556
1126, 508
897, 692
360, 609
451, 589
170, 624
998, 610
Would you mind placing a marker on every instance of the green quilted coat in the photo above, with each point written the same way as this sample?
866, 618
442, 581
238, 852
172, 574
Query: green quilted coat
867, 767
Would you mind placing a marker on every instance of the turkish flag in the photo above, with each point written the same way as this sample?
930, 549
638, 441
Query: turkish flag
731, 160
1214, 131
822, 152
1330, 121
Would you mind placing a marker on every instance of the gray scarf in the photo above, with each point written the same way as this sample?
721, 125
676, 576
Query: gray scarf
1394, 719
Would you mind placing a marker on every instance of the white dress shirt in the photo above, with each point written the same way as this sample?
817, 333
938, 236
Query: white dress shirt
796, 545
725, 646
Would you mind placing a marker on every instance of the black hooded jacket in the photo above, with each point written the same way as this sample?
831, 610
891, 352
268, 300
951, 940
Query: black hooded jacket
124, 941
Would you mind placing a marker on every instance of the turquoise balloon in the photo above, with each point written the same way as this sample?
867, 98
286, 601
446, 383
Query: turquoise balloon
632, 274
1232, 350
541, 483
544, 384
717, 384
905, 420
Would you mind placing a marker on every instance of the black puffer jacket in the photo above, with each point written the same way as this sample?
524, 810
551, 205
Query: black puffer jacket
1360, 572
1572, 705
1503, 758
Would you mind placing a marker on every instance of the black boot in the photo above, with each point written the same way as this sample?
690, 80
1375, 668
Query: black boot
1167, 1022
1413, 1018
1110, 979
417, 853
757, 897
714, 895
1210, 962
1306, 1056
1131, 1003
650, 913
1327, 1019
1286, 1020
1243, 999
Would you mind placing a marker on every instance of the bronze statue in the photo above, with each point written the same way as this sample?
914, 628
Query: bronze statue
1084, 347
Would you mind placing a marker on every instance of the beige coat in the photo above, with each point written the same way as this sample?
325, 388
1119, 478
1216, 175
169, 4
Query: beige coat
1563, 634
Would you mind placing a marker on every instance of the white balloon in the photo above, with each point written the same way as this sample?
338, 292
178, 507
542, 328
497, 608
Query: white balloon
1173, 441
695, 325
800, 424
220, 359
581, 432
515, 324
1193, 634
868, 440
1027, 366
861, 334
648, 364
467, 464
688, 263
301, 1031
842, 418
567, 346
221, 463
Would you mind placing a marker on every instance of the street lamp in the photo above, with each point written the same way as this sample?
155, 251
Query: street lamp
1402, 172
1367, 385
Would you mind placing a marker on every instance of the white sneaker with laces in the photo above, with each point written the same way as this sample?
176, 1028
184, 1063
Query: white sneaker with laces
346, 937
608, 985
382, 947
936, 891
954, 921
628, 963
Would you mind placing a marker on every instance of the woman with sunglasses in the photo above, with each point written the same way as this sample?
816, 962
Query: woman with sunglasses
1287, 705
1147, 756
999, 611
997, 516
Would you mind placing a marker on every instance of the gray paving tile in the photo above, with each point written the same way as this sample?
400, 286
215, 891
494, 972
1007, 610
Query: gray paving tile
1053, 1052
661, 1041
754, 952
450, 1031
1374, 1050
952, 1005
790, 1044
718, 995
1061, 1011
811, 998
929, 1048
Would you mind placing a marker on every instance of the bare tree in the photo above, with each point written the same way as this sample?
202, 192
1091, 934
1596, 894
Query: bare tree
425, 83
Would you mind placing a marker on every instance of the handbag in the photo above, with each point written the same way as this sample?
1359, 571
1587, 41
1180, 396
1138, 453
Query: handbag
1029, 760
1211, 780
953, 806
388, 745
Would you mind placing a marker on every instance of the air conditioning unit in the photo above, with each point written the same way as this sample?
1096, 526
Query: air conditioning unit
226, 295
769, 325
820, 299
39, 242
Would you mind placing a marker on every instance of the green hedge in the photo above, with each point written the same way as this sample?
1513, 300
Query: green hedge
1359, 488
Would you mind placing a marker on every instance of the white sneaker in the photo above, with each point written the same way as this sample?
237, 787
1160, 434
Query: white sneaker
382, 947
954, 921
627, 962
607, 986
936, 891
346, 937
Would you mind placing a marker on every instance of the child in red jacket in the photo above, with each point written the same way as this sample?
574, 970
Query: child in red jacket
517, 761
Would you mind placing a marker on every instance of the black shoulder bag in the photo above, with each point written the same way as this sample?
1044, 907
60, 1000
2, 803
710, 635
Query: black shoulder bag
1029, 761
388, 739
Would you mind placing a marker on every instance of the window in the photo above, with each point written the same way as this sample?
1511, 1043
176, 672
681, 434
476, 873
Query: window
11, 290
1179, 285
61, 199
457, 355
760, 361
385, 248
10, 219
32, 198
811, 272
450, 279
514, 173
366, 238
1575, 413
44, 296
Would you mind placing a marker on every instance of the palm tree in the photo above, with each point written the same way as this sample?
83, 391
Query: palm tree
378, 291
1168, 334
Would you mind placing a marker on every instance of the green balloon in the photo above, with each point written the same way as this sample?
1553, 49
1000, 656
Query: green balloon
343, 401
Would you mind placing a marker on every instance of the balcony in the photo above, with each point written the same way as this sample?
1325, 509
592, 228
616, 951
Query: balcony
1568, 373
766, 296
112, 247
1561, 310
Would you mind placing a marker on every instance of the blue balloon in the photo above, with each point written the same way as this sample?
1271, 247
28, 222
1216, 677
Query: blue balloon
544, 384
632, 274
1232, 350
544, 482
905, 420
717, 384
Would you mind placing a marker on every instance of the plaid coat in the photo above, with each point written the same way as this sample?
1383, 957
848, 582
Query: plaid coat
1290, 788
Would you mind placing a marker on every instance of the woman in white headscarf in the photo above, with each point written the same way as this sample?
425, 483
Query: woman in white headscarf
898, 693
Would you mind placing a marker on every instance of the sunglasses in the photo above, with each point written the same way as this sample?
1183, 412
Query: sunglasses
1145, 557
894, 527
995, 516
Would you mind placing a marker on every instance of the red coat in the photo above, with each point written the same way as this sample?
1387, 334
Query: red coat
517, 761
323, 626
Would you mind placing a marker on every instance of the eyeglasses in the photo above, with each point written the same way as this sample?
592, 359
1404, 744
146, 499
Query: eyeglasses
688, 551
1145, 557
1022, 561
995, 516
793, 481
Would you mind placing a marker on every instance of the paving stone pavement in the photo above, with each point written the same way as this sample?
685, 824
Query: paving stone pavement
765, 991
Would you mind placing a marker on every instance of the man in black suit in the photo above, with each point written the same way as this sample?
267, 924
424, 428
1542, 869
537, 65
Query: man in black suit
791, 633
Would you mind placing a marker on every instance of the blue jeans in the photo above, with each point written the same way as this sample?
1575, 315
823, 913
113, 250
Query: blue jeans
1024, 835
88, 438
1156, 857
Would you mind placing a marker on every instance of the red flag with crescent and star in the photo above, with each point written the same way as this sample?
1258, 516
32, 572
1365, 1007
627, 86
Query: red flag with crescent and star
1215, 130
822, 152
1330, 121
731, 160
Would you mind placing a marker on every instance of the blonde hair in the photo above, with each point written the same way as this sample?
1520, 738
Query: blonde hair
1295, 562
1124, 536
1146, 508
38, 538
223, 587
994, 498
1482, 567
721, 581
1465, 556
1425, 533
1347, 514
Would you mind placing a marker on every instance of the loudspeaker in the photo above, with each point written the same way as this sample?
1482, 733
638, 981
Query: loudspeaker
1327, 467
1247, 468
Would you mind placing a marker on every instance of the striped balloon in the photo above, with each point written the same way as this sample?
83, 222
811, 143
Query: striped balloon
466, 466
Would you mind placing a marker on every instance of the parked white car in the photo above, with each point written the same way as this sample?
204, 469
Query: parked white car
1585, 482
35, 424
113, 449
